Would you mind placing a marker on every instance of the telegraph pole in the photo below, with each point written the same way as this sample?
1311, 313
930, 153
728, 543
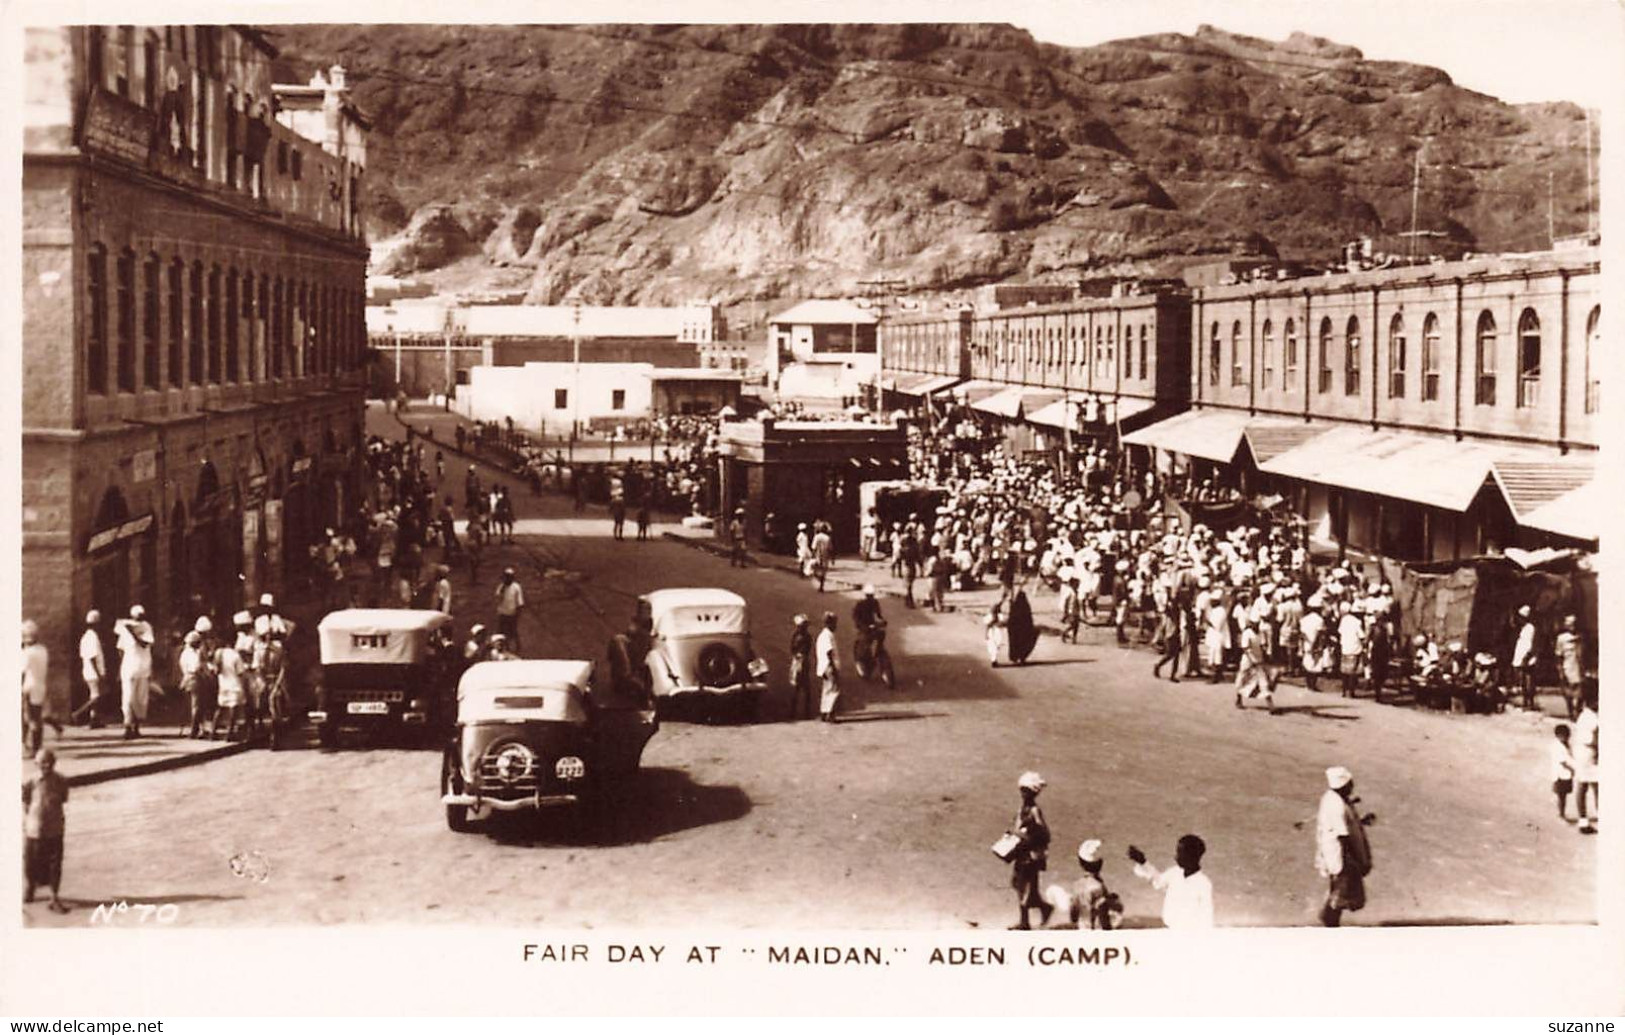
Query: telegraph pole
575, 387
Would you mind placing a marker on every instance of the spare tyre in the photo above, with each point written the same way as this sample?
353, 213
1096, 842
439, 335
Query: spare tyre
719, 665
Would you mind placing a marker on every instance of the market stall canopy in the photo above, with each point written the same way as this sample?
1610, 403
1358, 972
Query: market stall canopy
1209, 434
975, 391
921, 385
1577, 514
1436, 472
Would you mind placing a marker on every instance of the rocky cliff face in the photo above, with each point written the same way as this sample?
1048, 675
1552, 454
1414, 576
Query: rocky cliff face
660, 164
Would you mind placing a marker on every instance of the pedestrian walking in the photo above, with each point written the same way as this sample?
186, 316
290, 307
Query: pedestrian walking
510, 597
1562, 756
193, 682
801, 669
135, 639
44, 825
617, 516
1254, 675
230, 669
1022, 631
1316, 643
1524, 657
911, 567
1187, 893
1350, 647
442, 588
736, 539
1570, 651
829, 670
1031, 856
1342, 854
1168, 631
643, 517
998, 634
938, 570
93, 668
1585, 760
822, 553
35, 673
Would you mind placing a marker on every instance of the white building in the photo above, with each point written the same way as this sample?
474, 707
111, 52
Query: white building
822, 349
538, 395
695, 324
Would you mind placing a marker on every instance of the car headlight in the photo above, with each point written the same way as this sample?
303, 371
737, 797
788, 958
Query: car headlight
416, 704
757, 667
570, 768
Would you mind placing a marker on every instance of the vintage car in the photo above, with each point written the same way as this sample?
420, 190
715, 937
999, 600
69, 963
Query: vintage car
384, 670
700, 645
533, 735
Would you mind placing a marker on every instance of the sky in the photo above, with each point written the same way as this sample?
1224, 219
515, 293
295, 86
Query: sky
1518, 51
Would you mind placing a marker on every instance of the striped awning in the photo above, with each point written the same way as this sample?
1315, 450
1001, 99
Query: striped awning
1576, 515
1532, 482
1269, 439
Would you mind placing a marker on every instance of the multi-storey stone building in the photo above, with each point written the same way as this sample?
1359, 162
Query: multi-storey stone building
193, 331
1420, 412
1102, 365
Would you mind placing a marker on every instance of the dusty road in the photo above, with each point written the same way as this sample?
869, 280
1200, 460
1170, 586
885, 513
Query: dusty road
880, 822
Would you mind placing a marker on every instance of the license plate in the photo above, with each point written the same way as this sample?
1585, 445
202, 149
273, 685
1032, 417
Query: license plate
369, 708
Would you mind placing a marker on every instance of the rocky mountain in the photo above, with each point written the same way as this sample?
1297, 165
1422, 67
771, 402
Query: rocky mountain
658, 164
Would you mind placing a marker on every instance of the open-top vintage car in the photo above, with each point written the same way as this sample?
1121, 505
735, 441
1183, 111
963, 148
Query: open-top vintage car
384, 670
701, 645
533, 735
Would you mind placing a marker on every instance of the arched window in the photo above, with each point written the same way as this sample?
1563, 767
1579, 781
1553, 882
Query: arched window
126, 321
1289, 365
96, 332
1351, 357
151, 327
234, 356
1128, 353
1267, 342
177, 324
1528, 359
1430, 359
214, 325
195, 359
1145, 367
1396, 357
1484, 361
1213, 360
1593, 348
1325, 375
1235, 354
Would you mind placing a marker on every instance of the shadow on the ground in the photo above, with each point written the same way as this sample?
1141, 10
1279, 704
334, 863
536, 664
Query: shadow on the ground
1316, 711
845, 718
659, 802
1444, 921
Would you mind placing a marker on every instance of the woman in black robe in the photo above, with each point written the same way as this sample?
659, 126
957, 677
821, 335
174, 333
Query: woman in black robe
1023, 633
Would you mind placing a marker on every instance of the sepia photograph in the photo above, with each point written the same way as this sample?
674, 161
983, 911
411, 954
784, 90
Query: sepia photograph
894, 490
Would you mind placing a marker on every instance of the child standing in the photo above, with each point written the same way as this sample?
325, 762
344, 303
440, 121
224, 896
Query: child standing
1562, 769
43, 824
1091, 906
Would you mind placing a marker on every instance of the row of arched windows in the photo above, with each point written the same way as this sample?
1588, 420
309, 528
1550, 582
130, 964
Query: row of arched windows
1485, 373
211, 325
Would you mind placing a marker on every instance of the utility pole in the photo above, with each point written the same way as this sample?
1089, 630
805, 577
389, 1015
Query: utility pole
1416, 193
450, 319
575, 387
1551, 212
397, 361
1591, 207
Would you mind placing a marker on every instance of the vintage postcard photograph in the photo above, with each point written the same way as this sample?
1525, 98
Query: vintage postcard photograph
961, 489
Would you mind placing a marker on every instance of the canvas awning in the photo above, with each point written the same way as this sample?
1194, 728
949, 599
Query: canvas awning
974, 391
920, 385
1056, 414
1269, 439
1440, 472
1577, 514
1209, 434
1532, 482
1003, 404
